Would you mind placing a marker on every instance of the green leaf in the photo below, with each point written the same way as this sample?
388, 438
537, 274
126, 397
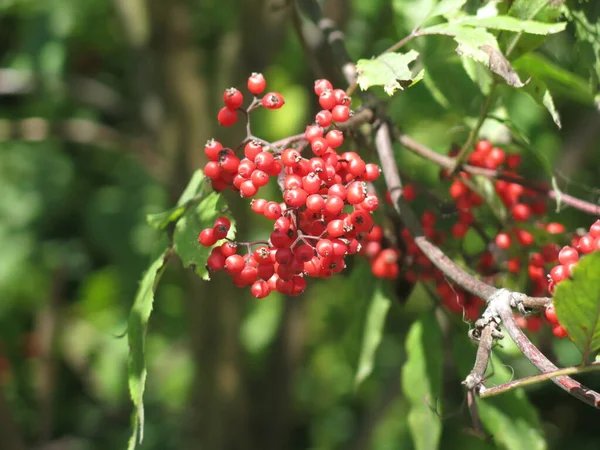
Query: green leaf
422, 381
480, 45
508, 23
160, 221
389, 70
558, 79
378, 308
577, 303
510, 418
195, 219
586, 18
538, 91
445, 7
136, 336
535, 9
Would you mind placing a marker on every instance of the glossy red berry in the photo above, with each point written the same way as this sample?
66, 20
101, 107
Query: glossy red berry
256, 83
227, 117
207, 237
273, 100
232, 98
322, 85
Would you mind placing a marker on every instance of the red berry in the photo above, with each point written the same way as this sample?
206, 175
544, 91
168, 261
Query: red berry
215, 261
212, 149
521, 212
322, 85
256, 83
295, 197
503, 241
595, 229
234, 264
248, 189
559, 273
207, 237
323, 118
568, 255
315, 203
559, 331
232, 98
273, 100
259, 178
551, 314
319, 146
327, 100
260, 289
494, 158
251, 149
335, 138
340, 113
524, 237
227, 116
483, 146
555, 228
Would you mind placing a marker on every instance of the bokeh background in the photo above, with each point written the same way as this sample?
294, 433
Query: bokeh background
105, 106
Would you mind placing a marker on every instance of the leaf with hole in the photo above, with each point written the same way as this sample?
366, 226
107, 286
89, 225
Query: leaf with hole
389, 70
374, 325
577, 304
136, 336
422, 381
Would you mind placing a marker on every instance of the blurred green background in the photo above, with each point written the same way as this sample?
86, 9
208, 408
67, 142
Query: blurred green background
105, 106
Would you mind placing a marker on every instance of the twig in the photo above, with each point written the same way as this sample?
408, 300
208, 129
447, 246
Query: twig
448, 163
534, 379
503, 308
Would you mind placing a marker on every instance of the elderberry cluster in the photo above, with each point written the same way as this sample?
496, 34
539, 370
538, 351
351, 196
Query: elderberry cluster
326, 209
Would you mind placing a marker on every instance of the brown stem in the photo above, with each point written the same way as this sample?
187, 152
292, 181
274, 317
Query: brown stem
448, 163
527, 381
539, 360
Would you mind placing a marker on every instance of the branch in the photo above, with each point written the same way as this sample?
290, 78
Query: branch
527, 381
448, 163
502, 305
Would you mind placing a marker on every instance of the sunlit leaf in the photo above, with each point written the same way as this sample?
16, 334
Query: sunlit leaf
508, 23
389, 70
577, 303
480, 45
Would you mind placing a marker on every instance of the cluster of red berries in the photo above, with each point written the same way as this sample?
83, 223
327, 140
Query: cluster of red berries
568, 257
326, 210
233, 100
